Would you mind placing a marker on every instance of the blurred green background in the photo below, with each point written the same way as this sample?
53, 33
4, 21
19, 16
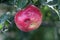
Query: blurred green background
49, 29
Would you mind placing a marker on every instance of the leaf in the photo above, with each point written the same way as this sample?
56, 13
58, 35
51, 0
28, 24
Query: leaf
3, 19
9, 2
48, 33
21, 3
1, 26
35, 1
59, 8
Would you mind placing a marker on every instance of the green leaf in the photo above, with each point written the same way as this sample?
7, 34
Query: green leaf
21, 3
48, 35
35, 1
59, 8
1, 26
10, 2
3, 19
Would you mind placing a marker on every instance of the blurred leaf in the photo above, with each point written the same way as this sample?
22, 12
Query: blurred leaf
3, 19
46, 8
1, 26
9, 2
1, 1
53, 2
48, 33
35, 1
21, 3
59, 8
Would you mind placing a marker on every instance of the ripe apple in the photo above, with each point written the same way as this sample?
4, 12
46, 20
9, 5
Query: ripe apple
28, 19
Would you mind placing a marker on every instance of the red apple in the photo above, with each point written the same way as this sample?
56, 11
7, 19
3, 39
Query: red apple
28, 19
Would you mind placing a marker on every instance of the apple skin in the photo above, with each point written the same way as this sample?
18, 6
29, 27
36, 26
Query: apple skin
28, 19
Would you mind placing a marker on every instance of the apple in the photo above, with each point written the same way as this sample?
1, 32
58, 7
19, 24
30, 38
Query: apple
28, 19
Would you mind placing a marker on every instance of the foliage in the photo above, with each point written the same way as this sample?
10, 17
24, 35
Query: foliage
49, 29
